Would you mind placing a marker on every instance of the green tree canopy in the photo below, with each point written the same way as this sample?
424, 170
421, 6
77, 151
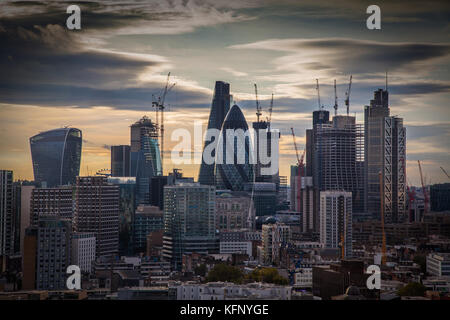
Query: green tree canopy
223, 272
267, 275
413, 289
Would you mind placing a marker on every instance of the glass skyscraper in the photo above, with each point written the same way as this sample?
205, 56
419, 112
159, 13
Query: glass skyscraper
385, 152
189, 221
145, 157
232, 176
219, 109
56, 156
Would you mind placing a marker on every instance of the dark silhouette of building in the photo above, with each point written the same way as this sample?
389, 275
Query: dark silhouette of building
6, 213
440, 197
56, 156
120, 161
219, 109
333, 280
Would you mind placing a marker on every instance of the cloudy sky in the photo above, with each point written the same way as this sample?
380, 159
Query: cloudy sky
101, 79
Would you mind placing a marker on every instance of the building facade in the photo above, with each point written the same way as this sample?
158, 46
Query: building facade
233, 164
336, 221
438, 264
385, 152
6, 213
147, 219
219, 109
234, 211
120, 161
51, 202
56, 156
83, 250
189, 222
145, 157
97, 211
53, 253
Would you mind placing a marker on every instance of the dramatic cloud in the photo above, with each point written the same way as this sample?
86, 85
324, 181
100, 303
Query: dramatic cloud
50, 66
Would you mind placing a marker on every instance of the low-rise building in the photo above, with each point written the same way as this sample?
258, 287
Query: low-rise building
231, 291
438, 264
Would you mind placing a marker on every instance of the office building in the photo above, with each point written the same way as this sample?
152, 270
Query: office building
232, 171
333, 280
127, 207
264, 196
189, 224
145, 157
234, 210
438, 264
274, 236
54, 202
219, 109
53, 253
336, 221
120, 161
440, 197
147, 219
83, 250
231, 291
6, 213
158, 183
238, 242
264, 135
30, 247
97, 211
56, 156
385, 152
338, 158
25, 211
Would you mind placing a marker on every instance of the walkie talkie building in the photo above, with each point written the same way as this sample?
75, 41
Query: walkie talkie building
56, 156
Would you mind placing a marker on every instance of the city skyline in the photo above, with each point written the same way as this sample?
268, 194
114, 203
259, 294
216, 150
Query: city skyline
101, 79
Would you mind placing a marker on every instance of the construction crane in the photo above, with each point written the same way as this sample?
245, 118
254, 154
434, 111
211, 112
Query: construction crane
158, 104
383, 233
258, 106
300, 171
445, 172
424, 189
318, 94
335, 99
269, 118
347, 95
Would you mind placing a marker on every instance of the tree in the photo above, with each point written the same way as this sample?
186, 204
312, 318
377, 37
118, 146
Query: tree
200, 270
422, 262
267, 275
223, 272
413, 289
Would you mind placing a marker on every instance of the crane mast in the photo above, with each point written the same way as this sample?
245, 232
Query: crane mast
158, 104
318, 94
300, 171
258, 106
445, 172
270, 112
335, 99
347, 95
424, 189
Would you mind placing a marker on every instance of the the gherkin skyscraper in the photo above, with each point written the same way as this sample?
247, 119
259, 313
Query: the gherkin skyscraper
219, 109
234, 144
